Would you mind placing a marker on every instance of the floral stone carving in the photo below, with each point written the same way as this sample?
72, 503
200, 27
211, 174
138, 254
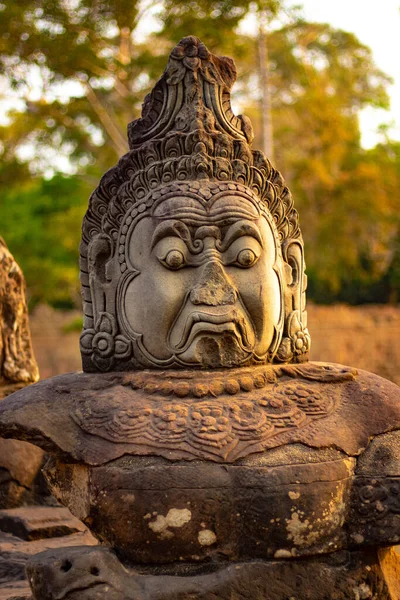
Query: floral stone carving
199, 443
103, 344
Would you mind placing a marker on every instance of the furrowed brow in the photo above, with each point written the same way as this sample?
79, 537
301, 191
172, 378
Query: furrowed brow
171, 228
238, 230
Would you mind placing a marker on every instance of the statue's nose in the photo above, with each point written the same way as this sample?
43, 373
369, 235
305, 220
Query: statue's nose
213, 286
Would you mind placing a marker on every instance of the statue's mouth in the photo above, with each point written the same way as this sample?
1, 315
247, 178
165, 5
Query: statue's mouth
73, 592
199, 323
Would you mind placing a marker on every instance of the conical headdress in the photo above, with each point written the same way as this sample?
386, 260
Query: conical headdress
187, 133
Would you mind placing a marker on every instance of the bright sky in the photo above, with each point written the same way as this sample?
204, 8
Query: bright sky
376, 24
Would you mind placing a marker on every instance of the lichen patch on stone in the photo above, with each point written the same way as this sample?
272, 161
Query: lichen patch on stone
294, 495
362, 592
206, 537
357, 537
299, 531
175, 518
282, 553
159, 524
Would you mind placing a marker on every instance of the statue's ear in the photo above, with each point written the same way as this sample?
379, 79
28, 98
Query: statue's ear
295, 344
99, 256
293, 255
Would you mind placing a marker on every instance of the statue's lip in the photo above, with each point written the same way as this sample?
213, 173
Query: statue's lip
214, 322
80, 587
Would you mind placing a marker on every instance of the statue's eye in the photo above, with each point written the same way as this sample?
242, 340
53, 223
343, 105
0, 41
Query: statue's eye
246, 258
174, 259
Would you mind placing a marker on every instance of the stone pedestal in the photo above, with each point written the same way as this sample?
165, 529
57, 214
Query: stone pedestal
259, 487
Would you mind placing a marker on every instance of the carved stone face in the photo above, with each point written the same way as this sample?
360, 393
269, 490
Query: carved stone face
204, 283
191, 251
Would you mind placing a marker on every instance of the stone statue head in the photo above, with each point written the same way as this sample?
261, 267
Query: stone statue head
191, 252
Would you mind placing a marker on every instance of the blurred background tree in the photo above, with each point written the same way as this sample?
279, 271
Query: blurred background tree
75, 72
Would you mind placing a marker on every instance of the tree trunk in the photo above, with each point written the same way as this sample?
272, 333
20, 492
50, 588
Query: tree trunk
265, 95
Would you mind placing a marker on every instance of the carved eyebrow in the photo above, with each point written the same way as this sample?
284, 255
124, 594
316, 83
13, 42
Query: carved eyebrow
172, 228
238, 230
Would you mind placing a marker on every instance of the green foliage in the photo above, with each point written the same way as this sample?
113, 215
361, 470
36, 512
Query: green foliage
347, 197
78, 76
209, 20
73, 326
41, 224
90, 77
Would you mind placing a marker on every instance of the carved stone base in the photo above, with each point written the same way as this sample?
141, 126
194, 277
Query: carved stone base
227, 484
96, 573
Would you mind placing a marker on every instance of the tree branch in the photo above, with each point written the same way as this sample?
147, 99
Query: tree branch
112, 130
